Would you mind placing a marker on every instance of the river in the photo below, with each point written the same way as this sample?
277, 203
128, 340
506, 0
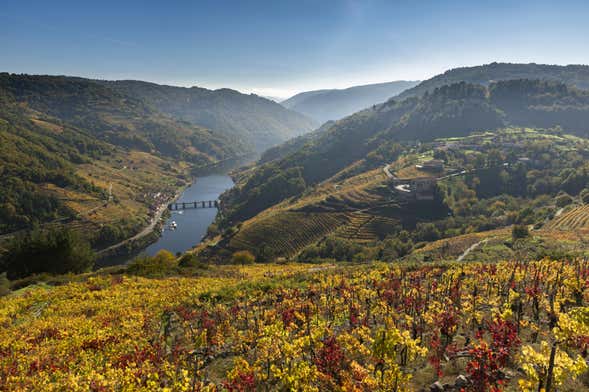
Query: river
192, 224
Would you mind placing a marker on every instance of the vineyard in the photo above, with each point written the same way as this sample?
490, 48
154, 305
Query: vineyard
363, 227
378, 327
575, 219
287, 233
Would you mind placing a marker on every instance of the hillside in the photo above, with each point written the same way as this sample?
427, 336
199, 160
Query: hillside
374, 208
325, 105
283, 150
76, 153
256, 122
572, 75
455, 110
116, 118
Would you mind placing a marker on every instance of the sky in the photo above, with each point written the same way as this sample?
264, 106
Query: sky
278, 48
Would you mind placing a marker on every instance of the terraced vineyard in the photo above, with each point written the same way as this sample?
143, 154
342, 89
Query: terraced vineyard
287, 233
575, 219
356, 221
363, 227
369, 177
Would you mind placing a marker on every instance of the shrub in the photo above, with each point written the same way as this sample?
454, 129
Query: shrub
4, 285
162, 264
563, 200
190, 260
584, 196
519, 231
243, 257
54, 252
427, 232
395, 248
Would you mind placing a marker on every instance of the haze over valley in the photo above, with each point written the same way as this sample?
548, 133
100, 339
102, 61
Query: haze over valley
294, 196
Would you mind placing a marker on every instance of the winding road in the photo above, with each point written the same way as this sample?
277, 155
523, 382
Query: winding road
146, 230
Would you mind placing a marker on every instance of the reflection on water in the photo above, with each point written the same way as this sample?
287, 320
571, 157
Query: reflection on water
191, 224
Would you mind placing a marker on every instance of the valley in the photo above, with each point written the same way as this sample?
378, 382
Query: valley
101, 160
436, 240
431, 190
294, 196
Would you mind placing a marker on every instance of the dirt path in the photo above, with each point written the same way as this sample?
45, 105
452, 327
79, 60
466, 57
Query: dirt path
387, 171
470, 249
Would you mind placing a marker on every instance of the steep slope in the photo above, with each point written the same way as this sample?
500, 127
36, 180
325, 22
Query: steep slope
573, 75
116, 118
255, 121
325, 105
454, 110
292, 145
483, 184
77, 153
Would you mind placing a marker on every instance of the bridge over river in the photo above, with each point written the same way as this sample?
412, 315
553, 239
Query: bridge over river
193, 204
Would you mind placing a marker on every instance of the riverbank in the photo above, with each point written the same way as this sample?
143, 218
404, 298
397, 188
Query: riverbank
190, 228
126, 249
129, 248
191, 225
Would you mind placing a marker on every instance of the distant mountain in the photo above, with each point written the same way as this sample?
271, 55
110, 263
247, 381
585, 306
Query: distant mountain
325, 105
573, 75
454, 110
255, 121
275, 99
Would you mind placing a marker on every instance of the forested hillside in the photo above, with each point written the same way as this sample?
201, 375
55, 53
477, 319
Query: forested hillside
325, 105
572, 75
116, 118
448, 111
389, 205
74, 151
255, 121
35, 152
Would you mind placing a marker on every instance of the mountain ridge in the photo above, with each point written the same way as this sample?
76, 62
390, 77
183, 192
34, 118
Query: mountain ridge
334, 104
573, 74
255, 121
454, 110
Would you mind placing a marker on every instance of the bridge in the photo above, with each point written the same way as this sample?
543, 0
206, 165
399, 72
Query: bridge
193, 204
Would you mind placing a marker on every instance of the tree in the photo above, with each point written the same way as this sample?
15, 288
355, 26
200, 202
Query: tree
161, 264
109, 234
55, 252
243, 257
427, 232
519, 231
563, 200
584, 196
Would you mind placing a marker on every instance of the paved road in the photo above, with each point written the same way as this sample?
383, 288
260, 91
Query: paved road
146, 230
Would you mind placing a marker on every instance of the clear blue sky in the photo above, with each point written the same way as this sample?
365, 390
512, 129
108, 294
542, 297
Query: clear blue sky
282, 47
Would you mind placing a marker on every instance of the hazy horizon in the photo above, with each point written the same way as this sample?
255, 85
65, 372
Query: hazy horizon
278, 49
